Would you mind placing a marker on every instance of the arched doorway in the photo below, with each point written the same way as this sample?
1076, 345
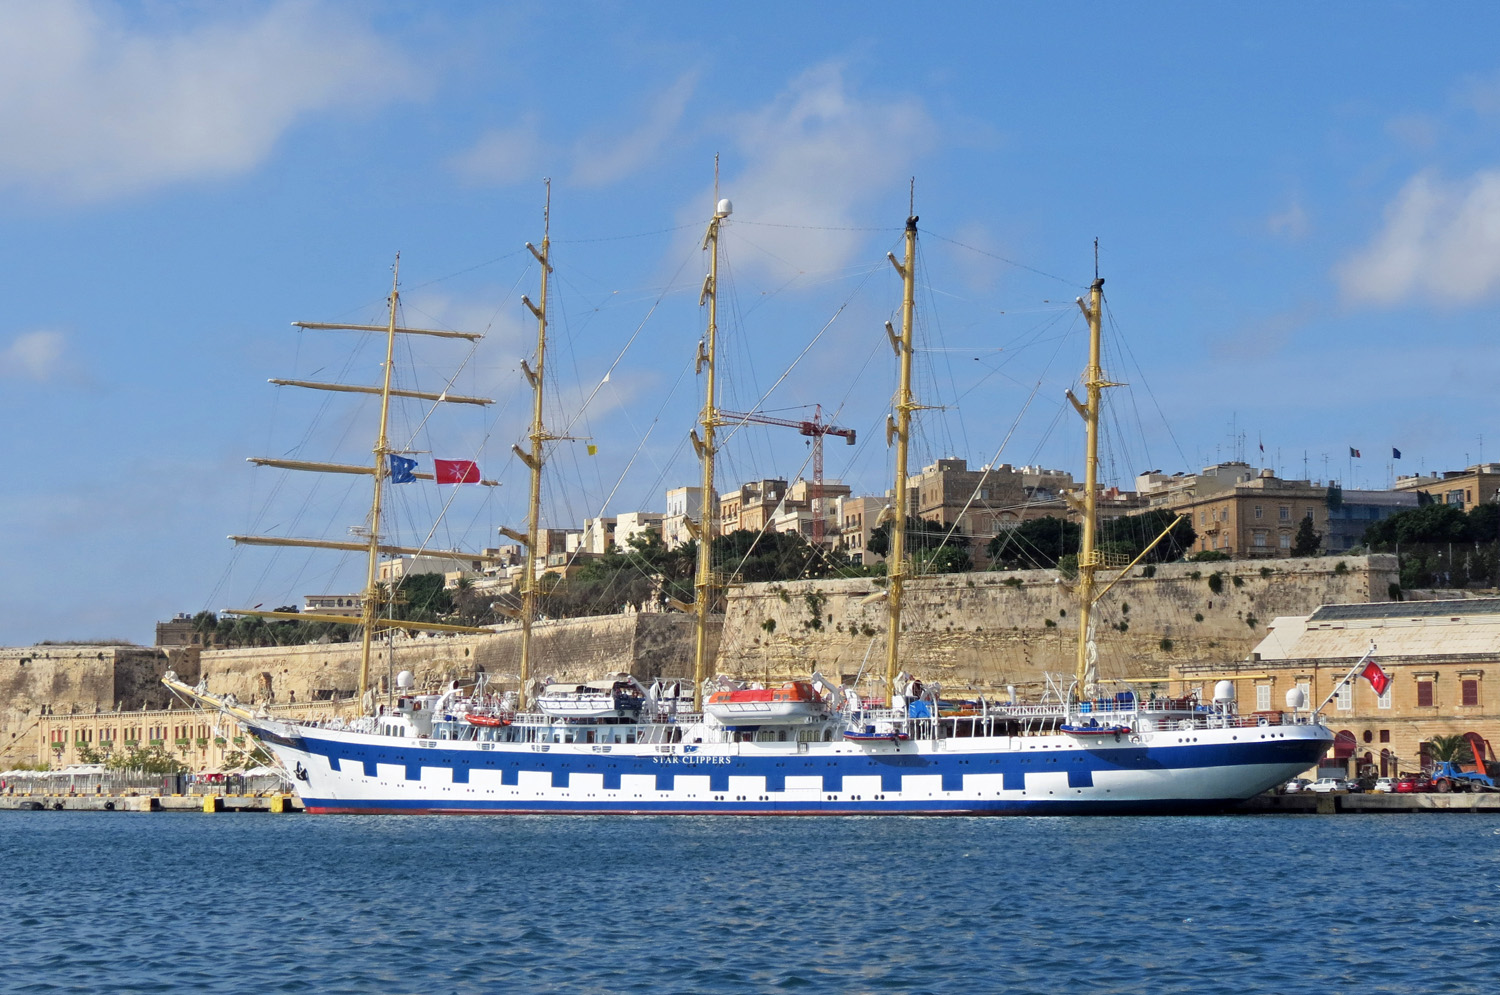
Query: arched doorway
1344, 745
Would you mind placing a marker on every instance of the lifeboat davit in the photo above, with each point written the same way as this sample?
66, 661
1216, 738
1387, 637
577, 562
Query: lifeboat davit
795, 701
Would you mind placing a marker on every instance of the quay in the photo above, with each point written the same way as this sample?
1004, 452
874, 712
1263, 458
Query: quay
1311, 803
276, 804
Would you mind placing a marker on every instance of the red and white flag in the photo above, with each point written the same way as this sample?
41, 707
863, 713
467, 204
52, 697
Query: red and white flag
455, 471
1379, 679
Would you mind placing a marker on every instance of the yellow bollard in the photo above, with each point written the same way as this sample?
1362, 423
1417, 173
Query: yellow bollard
213, 803
279, 804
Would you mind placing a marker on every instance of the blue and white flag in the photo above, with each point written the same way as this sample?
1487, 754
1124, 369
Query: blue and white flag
401, 469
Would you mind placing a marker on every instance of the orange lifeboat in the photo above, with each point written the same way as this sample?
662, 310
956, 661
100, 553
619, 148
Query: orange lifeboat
793, 702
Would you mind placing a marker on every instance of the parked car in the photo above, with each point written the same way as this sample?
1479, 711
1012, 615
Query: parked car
1328, 785
1410, 783
1295, 785
1386, 785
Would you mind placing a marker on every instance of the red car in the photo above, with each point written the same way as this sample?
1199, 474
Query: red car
1410, 783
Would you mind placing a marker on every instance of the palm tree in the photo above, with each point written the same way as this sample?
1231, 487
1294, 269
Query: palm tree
1450, 749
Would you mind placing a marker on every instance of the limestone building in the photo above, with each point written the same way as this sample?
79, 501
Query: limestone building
1443, 658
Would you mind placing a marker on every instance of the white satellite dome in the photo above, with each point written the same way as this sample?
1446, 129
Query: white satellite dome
1295, 699
1224, 691
404, 679
725, 208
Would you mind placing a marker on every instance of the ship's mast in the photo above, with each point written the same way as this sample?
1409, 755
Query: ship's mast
1094, 381
898, 432
370, 608
704, 586
539, 438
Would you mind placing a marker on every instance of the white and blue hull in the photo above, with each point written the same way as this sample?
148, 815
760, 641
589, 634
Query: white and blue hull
340, 771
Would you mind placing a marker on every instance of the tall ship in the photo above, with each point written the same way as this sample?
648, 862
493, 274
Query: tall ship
808, 747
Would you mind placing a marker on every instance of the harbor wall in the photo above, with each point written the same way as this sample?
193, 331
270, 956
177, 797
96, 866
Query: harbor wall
648, 645
983, 631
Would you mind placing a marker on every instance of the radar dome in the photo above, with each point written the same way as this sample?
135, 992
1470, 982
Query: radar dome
1224, 691
726, 208
404, 679
1295, 699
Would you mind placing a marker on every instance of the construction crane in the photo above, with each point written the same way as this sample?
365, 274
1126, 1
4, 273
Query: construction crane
815, 430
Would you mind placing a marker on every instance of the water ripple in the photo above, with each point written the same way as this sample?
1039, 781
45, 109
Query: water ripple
236, 903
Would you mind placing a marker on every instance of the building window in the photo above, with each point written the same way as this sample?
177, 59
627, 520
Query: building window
1344, 700
1257, 511
1384, 701
1470, 686
1285, 513
1385, 735
1306, 688
1286, 540
1262, 697
1202, 518
1424, 694
1260, 538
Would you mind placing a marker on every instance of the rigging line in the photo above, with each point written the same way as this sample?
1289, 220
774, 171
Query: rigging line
989, 468
1008, 262
773, 224
470, 269
1146, 383
621, 238
869, 273
628, 343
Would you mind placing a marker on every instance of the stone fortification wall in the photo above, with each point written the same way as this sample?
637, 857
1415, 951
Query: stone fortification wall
986, 630
647, 645
65, 679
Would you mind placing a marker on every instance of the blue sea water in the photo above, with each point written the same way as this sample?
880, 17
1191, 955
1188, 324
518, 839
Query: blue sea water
120, 902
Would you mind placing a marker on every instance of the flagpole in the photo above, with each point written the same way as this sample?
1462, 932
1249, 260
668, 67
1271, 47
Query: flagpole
1347, 677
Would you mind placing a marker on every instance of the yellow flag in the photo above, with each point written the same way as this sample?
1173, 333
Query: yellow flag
593, 449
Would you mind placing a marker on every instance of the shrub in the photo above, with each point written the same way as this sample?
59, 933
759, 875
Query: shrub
1251, 621
1198, 617
1149, 570
1394, 591
1124, 608
1049, 623
1238, 580
1341, 567
1013, 582
1266, 572
1209, 556
1216, 583
1122, 625
1165, 645
1196, 574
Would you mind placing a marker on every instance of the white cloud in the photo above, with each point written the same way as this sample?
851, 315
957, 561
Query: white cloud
814, 158
33, 356
600, 161
503, 156
93, 107
1441, 241
1291, 223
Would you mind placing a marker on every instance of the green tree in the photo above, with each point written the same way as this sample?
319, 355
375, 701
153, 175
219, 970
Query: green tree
1450, 749
1037, 543
1307, 540
920, 534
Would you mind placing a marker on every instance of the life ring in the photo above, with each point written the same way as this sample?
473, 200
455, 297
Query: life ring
1262, 721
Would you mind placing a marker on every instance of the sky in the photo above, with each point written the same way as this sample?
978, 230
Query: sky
1296, 207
